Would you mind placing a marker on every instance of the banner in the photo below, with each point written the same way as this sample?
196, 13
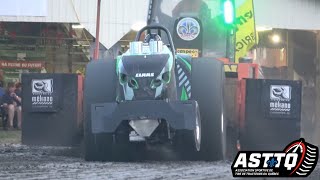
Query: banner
21, 64
246, 36
185, 42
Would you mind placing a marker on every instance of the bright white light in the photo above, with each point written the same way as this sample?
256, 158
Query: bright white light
77, 26
222, 123
228, 12
138, 26
276, 38
262, 28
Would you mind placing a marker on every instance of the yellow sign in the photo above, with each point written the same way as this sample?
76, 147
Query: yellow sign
192, 52
81, 71
231, 68
246, 36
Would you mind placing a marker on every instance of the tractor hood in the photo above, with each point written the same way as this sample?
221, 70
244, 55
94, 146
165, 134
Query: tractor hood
144, 77
143, 66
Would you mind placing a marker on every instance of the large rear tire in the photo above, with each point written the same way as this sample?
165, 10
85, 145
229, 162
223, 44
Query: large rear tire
99, 87
188, 142
207, 80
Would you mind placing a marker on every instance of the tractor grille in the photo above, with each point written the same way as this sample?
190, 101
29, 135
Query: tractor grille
144, 92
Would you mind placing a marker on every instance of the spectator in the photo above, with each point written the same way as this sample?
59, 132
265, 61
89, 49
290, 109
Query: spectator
18, 92
10, 104
1, 75
2, 112
2, 91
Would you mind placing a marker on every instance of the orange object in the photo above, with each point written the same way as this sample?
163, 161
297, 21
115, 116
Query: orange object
224, 60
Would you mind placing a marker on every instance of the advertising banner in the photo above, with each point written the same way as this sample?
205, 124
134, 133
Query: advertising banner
282, 99
46, 94
42, 92
186, 42
21, 64
246, 36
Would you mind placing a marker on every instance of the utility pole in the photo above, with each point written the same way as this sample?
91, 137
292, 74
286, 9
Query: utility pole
316, 135
97, 49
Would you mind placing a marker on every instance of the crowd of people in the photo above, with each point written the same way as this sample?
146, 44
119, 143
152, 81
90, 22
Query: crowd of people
10, 105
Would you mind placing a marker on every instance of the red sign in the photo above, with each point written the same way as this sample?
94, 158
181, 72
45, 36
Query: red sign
21, 64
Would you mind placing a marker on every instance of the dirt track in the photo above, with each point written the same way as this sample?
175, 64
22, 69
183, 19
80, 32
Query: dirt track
23, 162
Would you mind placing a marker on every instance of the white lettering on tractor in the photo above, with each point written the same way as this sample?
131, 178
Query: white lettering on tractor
140, 75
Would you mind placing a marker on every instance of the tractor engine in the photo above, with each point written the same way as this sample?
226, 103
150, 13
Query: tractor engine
145, 72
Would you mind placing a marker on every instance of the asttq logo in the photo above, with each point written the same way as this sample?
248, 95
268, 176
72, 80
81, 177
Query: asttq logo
298, 159
188, 29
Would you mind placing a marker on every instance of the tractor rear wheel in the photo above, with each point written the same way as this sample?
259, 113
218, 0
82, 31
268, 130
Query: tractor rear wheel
207, 80
188, 142
99, 87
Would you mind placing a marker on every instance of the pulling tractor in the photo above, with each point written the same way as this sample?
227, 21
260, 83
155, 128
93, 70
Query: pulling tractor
177, 86
168, 88
152, 95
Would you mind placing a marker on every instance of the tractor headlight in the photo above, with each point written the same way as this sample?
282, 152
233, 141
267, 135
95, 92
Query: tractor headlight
123, 78
130, 81
155, 83
166, 77
162, 78
133, 83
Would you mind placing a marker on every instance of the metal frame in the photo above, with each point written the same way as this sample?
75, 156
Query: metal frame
107, 117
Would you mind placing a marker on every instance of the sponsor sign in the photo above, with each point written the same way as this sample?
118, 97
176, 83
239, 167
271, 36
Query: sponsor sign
246, 36
231, 68
187, 36
192, 52
21, 64
298, 159
188, 29
42, 93
46, 94
280, 99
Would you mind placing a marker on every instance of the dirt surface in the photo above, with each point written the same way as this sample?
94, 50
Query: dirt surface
24, 162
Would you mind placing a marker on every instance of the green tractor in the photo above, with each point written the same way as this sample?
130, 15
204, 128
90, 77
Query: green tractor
151, 95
